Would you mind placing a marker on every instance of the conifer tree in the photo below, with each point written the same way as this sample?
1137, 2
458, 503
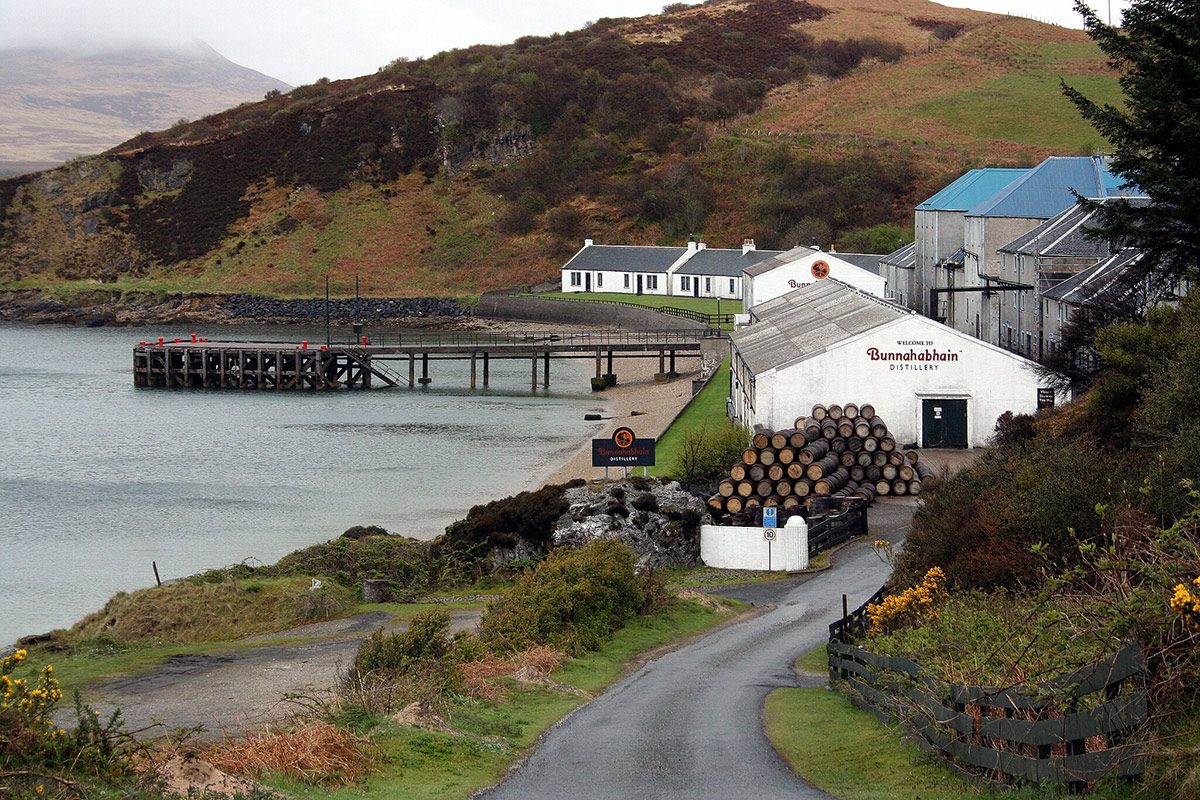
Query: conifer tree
1156, 136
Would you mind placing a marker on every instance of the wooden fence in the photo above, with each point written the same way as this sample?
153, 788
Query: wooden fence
1044, 733
832, 531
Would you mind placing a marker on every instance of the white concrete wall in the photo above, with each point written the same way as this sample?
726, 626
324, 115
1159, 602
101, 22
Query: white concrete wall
989, 378
791, 276
746, 548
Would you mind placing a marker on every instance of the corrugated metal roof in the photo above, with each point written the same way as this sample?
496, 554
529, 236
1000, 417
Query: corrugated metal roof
904, 258
786, 257
1081, 289
807, 321
1063, 235
625, 258
971, 189
725, 262
867, 261
1046, 190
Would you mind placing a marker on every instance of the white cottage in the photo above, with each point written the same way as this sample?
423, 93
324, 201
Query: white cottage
802, 266
625, 269
828, 343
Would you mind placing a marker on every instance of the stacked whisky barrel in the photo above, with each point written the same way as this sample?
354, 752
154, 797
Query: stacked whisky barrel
837, 451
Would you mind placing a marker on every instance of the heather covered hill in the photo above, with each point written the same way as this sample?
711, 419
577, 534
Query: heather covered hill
483, 167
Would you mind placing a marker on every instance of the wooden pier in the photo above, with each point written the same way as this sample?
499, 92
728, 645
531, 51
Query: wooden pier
200, 363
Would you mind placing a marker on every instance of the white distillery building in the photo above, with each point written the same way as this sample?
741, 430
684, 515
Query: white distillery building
802, 266
828, 343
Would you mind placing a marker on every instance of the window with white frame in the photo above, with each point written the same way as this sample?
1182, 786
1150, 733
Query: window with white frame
576, 279
685, 283
626, 280
731, 289
599, 279
708, 285
652, 282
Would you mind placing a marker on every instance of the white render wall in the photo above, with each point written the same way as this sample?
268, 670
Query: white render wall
793, 275
725, 547
990, 379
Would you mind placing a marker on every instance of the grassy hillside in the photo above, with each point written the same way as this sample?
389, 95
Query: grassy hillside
779, 120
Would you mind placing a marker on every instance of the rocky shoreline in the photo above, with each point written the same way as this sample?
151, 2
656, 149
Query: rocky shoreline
102, 307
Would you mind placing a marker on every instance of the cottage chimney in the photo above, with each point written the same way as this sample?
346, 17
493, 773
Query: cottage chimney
832, 248
691, 245
587, 242
747, 246
701, 245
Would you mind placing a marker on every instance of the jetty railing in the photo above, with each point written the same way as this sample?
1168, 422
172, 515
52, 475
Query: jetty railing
481, 339
1073, 729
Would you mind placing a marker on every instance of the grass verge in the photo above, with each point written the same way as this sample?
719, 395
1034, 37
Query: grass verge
851, 755
486, 736
706, 408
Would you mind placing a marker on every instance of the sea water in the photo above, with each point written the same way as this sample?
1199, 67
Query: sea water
99, 480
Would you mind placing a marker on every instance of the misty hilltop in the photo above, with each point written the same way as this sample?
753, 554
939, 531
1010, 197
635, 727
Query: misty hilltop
59, 105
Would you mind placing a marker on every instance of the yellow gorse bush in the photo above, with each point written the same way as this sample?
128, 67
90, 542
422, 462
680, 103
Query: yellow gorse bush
922, 601
28, 703
1186, 603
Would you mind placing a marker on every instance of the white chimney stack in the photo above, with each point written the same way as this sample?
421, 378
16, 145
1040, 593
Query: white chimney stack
747, 246
587, 242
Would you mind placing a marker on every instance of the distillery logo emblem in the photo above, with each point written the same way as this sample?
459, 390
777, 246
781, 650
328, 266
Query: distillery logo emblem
912, 355
820, 270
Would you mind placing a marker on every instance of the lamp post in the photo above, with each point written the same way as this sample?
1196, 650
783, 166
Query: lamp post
328, 340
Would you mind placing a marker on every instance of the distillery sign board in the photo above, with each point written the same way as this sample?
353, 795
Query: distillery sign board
912, 355
623, 449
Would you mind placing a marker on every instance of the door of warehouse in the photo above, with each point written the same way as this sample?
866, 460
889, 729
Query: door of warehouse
943, 423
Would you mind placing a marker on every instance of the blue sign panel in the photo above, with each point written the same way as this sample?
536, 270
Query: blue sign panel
770, 520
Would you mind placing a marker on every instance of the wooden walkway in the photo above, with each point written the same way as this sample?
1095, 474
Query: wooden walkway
378, 361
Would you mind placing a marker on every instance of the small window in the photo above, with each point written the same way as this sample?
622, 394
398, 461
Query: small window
731, 289
685, 283
651, 281
708, 285
599, 279
576, 279
626, 280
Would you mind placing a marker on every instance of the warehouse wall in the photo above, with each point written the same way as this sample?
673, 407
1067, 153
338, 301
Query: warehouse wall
990, 379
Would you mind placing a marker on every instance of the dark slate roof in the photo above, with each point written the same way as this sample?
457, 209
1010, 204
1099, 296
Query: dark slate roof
867, 261
778, 260
1081, 289
971, 189
728, 263
1063, 235
625, 258
904, 258
1048, 188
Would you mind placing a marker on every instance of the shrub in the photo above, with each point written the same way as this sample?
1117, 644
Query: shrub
417, 663
572, 602
358, 554
646, 502
918, 602
528, 516
705, 452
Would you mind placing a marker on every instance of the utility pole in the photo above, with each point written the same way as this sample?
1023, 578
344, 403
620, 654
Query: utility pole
328, 339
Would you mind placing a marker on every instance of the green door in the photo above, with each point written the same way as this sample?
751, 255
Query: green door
943, 423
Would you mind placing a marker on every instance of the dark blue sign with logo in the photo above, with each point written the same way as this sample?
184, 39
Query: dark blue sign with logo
623, 449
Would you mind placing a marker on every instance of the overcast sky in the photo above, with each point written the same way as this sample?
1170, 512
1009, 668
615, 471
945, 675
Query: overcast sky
299, 41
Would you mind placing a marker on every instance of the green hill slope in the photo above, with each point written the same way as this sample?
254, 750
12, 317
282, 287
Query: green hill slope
485, 167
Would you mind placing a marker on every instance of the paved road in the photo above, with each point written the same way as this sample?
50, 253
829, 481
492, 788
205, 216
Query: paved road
689, 724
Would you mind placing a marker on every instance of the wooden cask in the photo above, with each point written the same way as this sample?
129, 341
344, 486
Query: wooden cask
766, 456
756, 473
749, 456
775, 472
744, 489
819, 412
738, 472
726, 488
795, 470
866, 410
850, 410
883, 487
734, 505
762, 439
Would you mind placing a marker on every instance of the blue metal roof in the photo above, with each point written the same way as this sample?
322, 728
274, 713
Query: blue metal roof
1046, 190
971, 189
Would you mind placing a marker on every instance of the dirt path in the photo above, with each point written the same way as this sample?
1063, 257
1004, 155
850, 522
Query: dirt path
237, 690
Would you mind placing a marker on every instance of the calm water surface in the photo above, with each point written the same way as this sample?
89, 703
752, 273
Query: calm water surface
98, 479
